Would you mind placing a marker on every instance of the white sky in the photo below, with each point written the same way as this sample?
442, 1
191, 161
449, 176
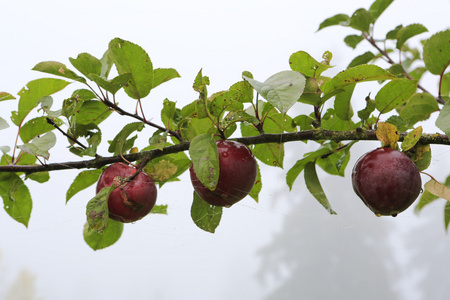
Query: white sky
167, 257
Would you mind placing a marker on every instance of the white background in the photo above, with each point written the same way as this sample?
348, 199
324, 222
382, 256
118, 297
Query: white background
285, 247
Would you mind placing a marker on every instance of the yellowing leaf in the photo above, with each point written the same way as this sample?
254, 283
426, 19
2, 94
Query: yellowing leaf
388, 134
438, 189
134, 150
161, 171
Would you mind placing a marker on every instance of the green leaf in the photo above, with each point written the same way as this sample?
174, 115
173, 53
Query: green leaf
58, 69
398, 122
110, 235
421, 156
39, 146
278, 123
377, 8
35, 127
304, 122
412, 138
272, 154
312, 92
408, 32
447, 215
205, 159
361, 59
117, 144
443, 120
419, 108
91, 133
3, 124
205, 216
353, 40
360, 20
314, 186
339, 19
335, 163
424, 200
40, 177
107, 64
163, 75
445, 85
225, 101
87, 64
200, 82
97, 212
245, 90
299, 166
342, 105
200, 85
131, 58
365, 113
282, 90
5, 149
16, 198
91, 111
72, 105
254, 193
394, 94
170, 115
392, 35
332, 122
32, 93
158, 140
353, 75
304, 63
159, 209
195, 126
436, 52
6, 96
113, 85
417, 73
83, 180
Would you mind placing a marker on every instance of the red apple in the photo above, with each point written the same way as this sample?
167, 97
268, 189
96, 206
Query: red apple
386, 180
237, 175
130, 201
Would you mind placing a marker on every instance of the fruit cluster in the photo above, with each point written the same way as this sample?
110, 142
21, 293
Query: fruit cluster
133, 199
385, 179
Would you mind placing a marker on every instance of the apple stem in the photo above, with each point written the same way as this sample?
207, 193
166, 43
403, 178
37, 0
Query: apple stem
138, 167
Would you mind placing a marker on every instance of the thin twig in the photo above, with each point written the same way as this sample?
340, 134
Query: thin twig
51, 122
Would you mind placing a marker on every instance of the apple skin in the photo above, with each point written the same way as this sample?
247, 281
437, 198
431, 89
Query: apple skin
386, 180
237, 175
130, 201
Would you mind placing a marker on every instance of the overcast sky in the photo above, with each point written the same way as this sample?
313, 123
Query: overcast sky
168, 257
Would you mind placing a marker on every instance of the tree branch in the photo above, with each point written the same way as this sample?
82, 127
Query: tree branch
315, 135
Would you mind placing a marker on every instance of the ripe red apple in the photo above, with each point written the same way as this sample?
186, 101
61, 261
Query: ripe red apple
237, 175
130, 201
386, 180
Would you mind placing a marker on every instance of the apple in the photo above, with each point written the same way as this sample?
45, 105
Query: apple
386, 180
131, 200
237, 175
